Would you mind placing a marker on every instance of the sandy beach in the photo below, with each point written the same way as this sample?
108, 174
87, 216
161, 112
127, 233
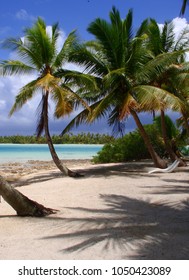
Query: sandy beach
116, 211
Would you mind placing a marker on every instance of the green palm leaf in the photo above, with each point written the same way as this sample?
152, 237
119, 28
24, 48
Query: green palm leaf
25, 94
84, 117
158, 65
63, 55
154, 98
11, 67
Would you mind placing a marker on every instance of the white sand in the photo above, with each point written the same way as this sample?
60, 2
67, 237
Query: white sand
117, 211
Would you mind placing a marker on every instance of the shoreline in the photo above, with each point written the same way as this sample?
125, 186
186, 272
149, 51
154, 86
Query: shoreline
13, 171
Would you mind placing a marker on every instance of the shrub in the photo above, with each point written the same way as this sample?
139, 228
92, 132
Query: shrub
130, 147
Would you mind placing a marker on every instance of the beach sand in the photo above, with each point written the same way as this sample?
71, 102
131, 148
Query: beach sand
116, 211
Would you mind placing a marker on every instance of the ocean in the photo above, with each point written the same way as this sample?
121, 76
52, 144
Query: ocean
25, 152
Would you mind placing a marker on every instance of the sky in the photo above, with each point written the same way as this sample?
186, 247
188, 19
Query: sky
15, 16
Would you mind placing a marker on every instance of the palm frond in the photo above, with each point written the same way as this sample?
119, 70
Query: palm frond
158, 65
141, 31
128, 22
127, 103
66, 99
64, 104
67, 48
39, 43
83, 118
154, 37
76, 121
117, 124
79, 80
182, 41
102, 106
25, 94
36, 47
90, 58
15, 67
170, 126
55, 36
154, 98
168, 37
113, 37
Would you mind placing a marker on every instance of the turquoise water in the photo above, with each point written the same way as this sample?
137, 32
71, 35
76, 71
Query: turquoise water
25, 152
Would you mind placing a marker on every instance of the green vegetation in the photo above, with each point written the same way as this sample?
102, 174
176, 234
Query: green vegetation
69, 138
130, 147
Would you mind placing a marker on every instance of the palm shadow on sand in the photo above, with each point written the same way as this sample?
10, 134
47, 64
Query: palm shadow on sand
148, 230
137, 229
130, 169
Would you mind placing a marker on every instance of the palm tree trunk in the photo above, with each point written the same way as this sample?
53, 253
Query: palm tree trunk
54, 155
171, 153
158, 162
168, 147
183, 8
186, 123
22, 204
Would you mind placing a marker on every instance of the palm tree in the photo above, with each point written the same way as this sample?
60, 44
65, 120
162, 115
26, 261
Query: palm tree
172, 133
123, 67
180, 86
22, 204
164, 41
39, 54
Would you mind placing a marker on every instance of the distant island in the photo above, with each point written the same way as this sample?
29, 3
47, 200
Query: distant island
69, 138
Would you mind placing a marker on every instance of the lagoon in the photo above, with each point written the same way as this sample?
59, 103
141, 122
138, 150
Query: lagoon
25, 152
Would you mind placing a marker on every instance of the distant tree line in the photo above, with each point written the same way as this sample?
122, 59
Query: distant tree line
69, 138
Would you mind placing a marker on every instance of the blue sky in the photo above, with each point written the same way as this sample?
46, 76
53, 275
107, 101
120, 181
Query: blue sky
70, 14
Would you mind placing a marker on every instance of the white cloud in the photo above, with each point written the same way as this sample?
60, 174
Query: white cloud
9, 88
23, 15
179, 25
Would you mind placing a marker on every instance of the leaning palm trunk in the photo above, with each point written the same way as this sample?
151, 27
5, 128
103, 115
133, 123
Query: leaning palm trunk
54, 155
168, 147
22, 204
158, 162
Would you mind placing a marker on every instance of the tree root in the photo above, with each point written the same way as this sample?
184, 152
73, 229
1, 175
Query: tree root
74, 174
